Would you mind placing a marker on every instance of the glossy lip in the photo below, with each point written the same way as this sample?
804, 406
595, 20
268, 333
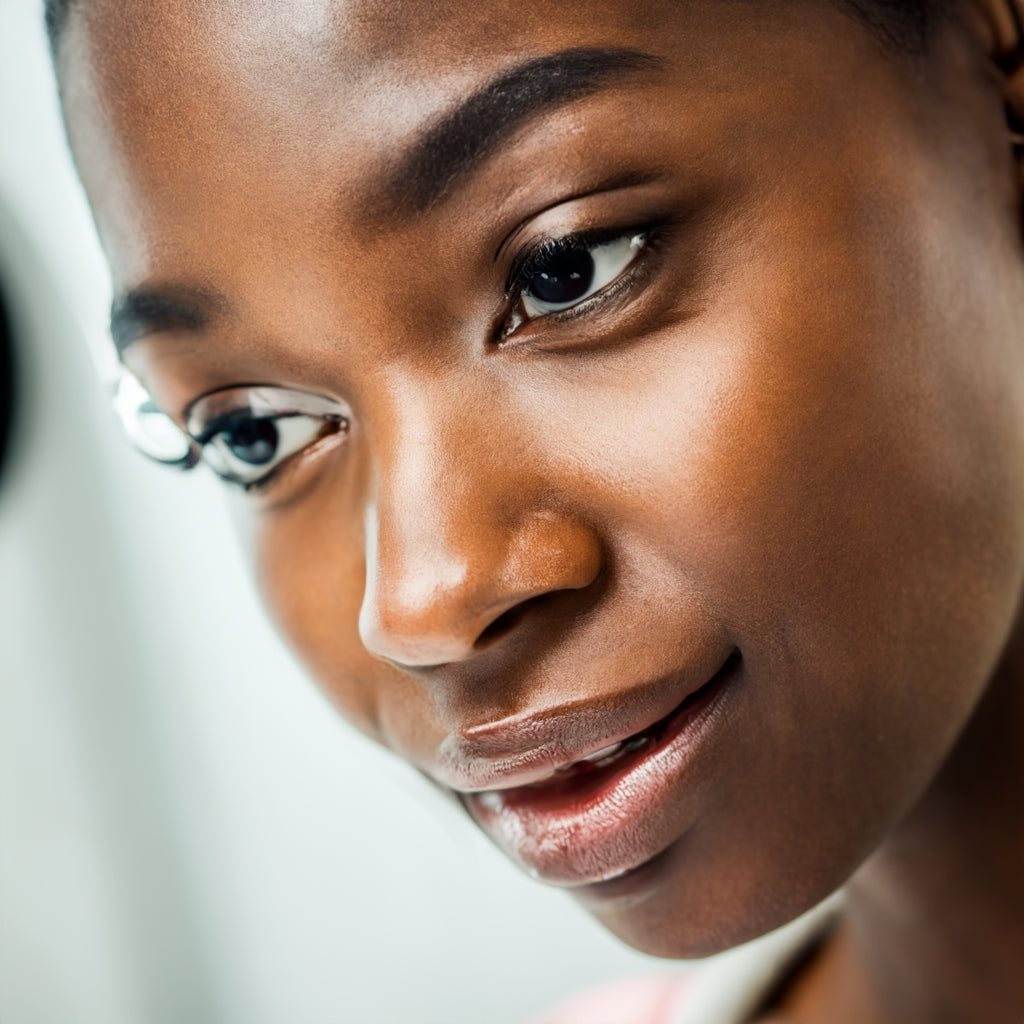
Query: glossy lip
593, 824
523, 750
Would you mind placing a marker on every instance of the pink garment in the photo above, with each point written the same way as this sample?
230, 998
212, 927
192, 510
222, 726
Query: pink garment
650, 999
730, 988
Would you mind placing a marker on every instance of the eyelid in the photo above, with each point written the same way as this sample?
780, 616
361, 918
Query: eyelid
211, 413
619, 187
293, 435
301, 422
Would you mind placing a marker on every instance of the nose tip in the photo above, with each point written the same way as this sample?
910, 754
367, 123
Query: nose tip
444, 607
423, 619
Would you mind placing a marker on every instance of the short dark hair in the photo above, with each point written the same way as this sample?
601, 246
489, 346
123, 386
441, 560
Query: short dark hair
903, 25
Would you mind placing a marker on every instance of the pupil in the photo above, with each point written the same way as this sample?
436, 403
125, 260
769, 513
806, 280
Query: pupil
252, 441
568, 277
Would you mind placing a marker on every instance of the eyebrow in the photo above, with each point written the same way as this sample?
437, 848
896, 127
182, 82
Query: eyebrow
464, 136
449, 149
176, 308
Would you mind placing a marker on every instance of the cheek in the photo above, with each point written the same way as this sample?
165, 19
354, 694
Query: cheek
833, 452
311, 573
843, 492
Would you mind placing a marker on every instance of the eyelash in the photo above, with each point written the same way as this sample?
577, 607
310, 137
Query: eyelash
328, 428
527, 267
299, 423
529, 263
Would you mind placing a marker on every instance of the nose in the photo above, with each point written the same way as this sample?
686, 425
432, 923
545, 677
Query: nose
458, 545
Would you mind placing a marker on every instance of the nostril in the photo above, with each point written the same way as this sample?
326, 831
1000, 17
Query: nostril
502, 625
434, 597
511, 620
558, 607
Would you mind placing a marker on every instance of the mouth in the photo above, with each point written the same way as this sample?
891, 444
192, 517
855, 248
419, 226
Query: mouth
596, 818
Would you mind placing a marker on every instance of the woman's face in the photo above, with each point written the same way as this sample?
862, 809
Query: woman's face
679, 391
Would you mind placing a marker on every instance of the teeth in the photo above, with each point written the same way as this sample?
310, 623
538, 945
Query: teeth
606, 755
600, 755
610, 754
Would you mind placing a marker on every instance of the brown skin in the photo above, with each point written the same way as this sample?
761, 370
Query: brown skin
798, 433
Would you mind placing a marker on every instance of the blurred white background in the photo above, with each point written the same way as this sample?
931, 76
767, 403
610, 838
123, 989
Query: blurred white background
188, 833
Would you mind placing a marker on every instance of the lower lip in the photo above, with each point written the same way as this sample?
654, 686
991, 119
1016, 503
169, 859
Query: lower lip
599, 824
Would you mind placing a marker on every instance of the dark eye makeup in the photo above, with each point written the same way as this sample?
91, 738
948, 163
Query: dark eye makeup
251, 435
561, 274
248, 434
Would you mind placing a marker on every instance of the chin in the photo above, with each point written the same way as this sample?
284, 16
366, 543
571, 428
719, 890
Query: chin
670, 908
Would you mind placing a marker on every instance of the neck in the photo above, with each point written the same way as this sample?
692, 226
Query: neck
934, 926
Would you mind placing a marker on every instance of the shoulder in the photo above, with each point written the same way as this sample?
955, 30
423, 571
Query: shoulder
649, 999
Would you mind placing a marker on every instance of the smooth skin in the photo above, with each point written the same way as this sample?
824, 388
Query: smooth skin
793, 430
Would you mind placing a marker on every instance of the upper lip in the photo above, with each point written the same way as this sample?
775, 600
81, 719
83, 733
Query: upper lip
527, 748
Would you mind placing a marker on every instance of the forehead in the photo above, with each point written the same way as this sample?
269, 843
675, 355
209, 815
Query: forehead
309, 70
160, 95
292, 39
241, 144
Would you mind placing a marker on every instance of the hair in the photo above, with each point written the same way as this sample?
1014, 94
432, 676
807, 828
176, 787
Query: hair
902, 25
905, 25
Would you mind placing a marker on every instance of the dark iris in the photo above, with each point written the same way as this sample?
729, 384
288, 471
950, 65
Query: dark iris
566, 277
252, 441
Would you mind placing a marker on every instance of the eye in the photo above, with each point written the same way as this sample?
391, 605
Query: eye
564, 272
248, 448
247, 433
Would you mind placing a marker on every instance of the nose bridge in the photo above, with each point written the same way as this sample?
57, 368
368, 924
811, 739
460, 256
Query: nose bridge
456, 535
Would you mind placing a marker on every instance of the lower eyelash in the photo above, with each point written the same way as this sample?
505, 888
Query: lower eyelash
623, 283
283, 467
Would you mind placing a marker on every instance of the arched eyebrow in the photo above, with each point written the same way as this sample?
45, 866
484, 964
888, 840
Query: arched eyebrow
464, 136
447, 150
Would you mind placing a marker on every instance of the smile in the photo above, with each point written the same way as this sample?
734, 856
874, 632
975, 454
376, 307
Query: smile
602, 815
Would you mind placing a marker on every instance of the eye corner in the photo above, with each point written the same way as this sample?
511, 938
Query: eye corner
249, 434
610, 256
